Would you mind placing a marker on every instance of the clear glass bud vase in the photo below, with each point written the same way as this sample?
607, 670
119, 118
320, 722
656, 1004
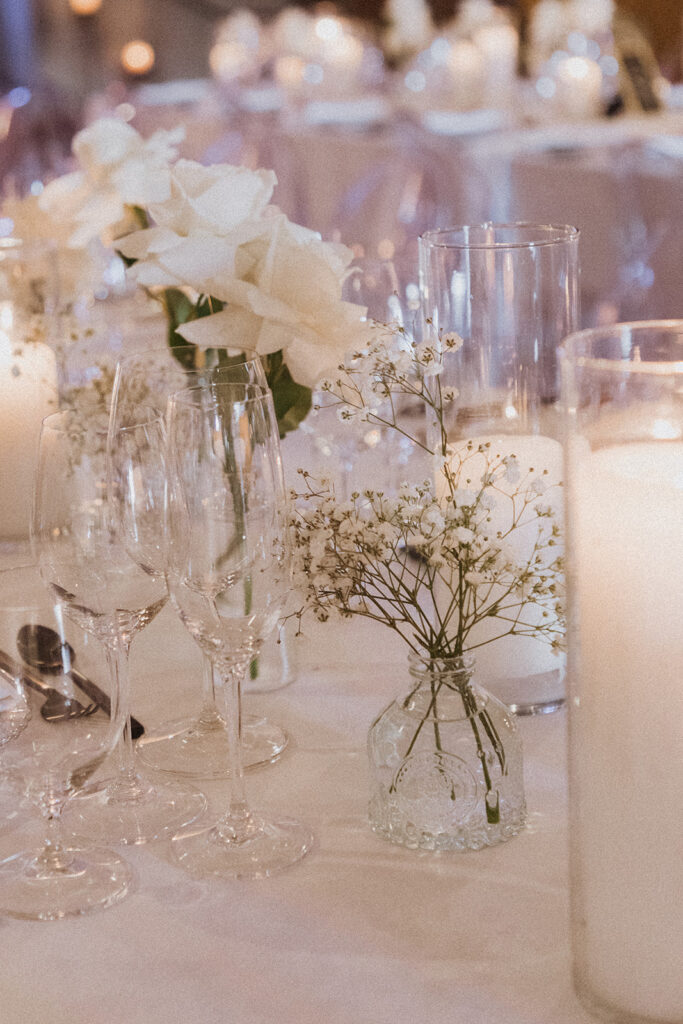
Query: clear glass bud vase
446, 762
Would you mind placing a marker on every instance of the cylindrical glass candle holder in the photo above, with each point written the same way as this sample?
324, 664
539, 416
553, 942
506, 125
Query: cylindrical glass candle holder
510, 291
623, 394
28, 374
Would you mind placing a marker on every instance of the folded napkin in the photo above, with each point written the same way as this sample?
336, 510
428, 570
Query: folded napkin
463, 122
176, 93
362, 112
666, 145
261, 99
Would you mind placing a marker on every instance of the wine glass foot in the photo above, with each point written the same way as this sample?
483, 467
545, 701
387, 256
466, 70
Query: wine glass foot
92, 879
198, 750
114, 812
262, 848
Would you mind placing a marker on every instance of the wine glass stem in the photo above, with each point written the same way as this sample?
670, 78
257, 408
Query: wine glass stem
53, 859
126, 782
237, 813
209, 717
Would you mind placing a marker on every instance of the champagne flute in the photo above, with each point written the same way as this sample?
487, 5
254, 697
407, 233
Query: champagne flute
192, 747
229, 576
97, 543
54, 742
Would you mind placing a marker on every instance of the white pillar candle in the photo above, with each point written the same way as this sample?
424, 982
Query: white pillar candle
28, 393
499, 45
504, 662
626, 736
578, 82
467, 75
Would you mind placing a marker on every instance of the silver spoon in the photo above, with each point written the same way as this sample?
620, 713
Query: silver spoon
57, 707
44, 649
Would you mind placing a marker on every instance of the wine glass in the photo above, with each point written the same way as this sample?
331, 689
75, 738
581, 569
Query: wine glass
229, 577
194, 747
97, 532
56, 738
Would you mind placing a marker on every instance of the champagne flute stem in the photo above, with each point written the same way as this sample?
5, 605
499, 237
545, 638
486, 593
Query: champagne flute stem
237, 816
209, 718
126, 784
54, 858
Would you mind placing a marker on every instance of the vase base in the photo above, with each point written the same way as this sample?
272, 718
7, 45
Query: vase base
396, 829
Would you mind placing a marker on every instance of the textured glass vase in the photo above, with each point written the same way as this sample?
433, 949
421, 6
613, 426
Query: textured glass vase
446, 762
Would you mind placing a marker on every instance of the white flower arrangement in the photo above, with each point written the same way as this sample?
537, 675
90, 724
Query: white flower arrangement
430, 562
232, 271
119, 173
274, 286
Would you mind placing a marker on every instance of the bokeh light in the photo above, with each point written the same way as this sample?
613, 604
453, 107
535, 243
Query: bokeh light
137, 57
85, 7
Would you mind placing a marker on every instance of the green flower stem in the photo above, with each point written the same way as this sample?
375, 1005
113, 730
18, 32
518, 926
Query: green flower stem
473, 713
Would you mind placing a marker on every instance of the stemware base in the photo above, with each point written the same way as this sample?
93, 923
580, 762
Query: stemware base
88, 880
132, 811
199, 749
257, 849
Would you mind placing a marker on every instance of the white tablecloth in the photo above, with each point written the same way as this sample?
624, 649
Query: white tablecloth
360, 932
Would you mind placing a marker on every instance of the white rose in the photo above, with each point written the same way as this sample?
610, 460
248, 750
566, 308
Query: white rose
118, 169
213, 200
290, 298
210, 213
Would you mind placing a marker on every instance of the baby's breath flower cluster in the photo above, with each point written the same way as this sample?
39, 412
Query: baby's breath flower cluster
439, 557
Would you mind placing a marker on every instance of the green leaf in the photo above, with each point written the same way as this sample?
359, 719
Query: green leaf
292, 401
206, 305
179, 310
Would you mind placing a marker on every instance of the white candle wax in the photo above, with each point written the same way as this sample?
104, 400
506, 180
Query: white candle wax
502, 663
578, 83
626, 735
28, 393
499, 45
467, 75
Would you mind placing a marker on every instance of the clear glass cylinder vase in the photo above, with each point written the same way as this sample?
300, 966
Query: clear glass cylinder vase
510, 291
446, 762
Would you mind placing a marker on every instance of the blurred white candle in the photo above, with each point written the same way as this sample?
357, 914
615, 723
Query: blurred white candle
627, 740
467, 72
502, 663
499, 46
28, 393
578, 83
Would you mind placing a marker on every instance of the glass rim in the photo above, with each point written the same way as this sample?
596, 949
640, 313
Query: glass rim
574, 350
547, 234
